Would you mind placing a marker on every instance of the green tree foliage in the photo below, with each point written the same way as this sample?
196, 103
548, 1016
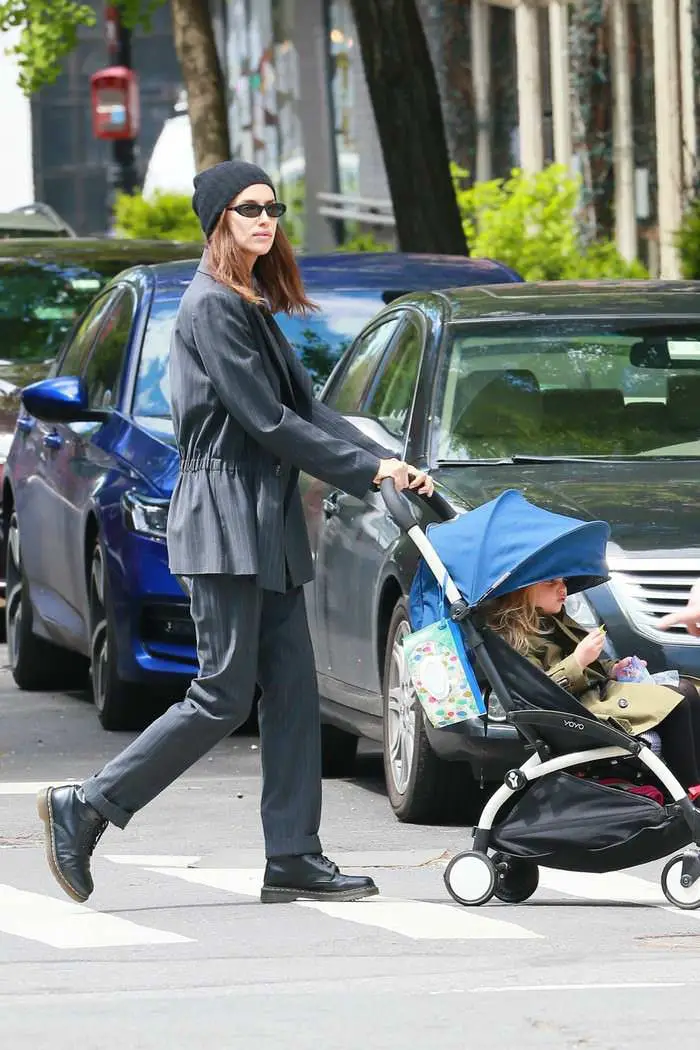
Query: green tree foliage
688, 241
364, 242
50, 32
162, 217
529, 223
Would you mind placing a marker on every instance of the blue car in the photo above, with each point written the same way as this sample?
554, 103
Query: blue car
93, 464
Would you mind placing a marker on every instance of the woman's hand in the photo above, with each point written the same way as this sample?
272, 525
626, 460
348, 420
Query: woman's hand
420, 481
589, 649
404, 476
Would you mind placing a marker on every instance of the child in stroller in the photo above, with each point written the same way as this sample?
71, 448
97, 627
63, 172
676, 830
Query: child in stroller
554, 809
533, 622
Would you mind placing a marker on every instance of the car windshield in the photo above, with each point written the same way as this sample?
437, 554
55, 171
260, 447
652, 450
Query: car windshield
39, 303
319, 339
580, 388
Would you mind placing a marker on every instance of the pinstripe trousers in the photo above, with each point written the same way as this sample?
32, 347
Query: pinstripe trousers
244, 635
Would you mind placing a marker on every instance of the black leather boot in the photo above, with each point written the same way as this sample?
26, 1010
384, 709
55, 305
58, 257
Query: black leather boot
311, 877
73, 829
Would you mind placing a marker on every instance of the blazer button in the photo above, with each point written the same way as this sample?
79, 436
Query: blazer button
278, 469
623, 703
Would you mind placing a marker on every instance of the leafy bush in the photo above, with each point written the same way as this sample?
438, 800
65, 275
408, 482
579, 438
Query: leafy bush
528, 222
162, 217
688, 242
364, 242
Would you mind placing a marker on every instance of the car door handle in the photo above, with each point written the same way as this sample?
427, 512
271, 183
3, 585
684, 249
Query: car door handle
53, 440
330, 504
25, 424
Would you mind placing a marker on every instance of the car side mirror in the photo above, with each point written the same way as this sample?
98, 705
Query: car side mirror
372, 428
62, 399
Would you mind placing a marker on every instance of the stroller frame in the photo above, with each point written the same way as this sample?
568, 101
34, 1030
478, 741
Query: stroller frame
473, 877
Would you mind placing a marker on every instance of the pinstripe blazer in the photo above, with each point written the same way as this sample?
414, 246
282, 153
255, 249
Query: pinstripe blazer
246, 423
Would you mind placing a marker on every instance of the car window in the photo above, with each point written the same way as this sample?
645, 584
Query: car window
152, 391
349, 390
390, 395
71, 361
322, 337
104, 366
571, 388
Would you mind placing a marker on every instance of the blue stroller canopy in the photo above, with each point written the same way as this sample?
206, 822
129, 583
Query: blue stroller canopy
504, 545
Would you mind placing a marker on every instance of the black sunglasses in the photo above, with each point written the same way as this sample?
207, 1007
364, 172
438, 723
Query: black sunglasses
274, 209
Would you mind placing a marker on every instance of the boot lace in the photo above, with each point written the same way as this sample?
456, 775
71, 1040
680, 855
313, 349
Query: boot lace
330, 865
92, 835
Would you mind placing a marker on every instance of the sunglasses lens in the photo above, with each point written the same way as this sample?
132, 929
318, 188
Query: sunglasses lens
253, 211
249, 211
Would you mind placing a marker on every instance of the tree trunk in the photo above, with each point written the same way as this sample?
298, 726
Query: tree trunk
406, 104
204, 81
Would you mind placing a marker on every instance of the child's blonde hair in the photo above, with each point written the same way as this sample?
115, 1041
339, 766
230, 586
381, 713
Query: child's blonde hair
515, 618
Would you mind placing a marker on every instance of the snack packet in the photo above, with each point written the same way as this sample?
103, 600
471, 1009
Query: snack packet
634, 671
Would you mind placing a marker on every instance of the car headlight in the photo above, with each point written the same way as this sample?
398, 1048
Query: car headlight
145, 514
580, 609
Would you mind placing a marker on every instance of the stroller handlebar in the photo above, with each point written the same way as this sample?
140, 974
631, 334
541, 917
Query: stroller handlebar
398, 506
401, 510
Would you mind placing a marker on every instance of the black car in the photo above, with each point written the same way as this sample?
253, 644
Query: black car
584, 397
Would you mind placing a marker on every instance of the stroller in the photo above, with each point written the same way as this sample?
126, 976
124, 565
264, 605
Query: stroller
552, 810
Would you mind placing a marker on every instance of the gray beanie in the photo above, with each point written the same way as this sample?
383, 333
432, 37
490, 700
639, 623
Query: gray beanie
217, 186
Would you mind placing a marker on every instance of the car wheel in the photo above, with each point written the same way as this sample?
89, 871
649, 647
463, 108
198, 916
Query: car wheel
116, 700
422, 788
338, 752
36, 663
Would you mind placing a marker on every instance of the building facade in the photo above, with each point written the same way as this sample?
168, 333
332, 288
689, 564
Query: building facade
299, 106
605, 87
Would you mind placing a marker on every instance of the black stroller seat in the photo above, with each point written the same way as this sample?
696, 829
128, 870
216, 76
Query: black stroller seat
543, 712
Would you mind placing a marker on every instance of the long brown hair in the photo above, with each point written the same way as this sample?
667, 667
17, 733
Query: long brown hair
516, 618
276, 274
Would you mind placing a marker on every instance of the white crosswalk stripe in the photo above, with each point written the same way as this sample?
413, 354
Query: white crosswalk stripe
63, 924
29, 787
615, 887
420, 920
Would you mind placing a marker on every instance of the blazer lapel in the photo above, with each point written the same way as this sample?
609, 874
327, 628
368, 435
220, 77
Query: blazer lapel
267, 331
300, 377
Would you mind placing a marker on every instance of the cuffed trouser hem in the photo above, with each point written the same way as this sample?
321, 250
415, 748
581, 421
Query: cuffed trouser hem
292, 847
104, 807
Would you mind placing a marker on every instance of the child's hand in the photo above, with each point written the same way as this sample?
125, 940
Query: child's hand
588, 650
622, 664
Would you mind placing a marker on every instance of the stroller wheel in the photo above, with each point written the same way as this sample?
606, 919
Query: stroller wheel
686, 897
516, 878
470, 878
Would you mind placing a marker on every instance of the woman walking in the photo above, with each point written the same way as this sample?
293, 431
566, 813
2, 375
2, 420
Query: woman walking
246, 424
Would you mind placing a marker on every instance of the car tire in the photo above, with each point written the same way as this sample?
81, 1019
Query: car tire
117, 701
338, 752
422, 788
36, 664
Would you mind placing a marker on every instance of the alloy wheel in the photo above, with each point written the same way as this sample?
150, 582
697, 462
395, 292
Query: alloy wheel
99, 640
14, 593
402, 713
